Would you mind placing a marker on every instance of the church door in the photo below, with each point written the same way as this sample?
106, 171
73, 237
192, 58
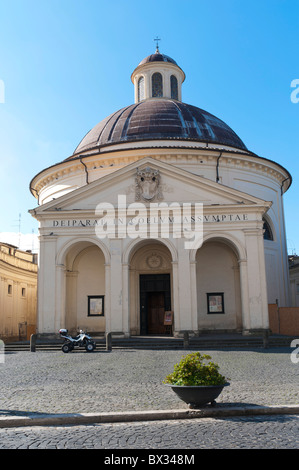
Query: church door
156, 309
155, 298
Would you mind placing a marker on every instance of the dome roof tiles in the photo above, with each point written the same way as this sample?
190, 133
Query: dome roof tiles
157, 57
160, 119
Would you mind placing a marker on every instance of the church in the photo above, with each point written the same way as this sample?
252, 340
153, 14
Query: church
162, 221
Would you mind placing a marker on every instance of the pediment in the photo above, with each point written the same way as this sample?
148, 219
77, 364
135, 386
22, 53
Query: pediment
175, 185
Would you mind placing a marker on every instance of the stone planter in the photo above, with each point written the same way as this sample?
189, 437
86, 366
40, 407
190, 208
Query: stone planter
197, 396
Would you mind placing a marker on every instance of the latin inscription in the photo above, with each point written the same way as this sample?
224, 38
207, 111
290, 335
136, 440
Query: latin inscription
149, 220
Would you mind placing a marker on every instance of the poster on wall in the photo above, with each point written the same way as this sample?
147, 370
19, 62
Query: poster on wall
96, 305
215, 302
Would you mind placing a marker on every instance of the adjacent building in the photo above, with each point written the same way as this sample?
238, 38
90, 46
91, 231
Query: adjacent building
18, 293
294, 279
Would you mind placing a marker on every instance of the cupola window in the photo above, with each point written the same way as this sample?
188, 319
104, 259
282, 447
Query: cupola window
157, 86
174, 87
141, 89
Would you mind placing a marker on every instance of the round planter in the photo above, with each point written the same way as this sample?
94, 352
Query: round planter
196, 396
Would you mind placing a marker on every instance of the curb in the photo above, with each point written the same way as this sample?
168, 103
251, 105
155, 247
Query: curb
135, 416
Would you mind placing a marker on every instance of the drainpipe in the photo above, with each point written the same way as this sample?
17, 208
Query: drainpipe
32, 189
86, 171
217, 167
281, 187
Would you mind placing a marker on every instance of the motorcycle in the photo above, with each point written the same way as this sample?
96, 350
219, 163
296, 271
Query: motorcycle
82, 339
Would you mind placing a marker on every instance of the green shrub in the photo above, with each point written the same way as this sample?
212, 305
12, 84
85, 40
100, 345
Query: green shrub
192, 371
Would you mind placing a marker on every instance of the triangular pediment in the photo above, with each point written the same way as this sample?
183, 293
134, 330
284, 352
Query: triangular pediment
175, 185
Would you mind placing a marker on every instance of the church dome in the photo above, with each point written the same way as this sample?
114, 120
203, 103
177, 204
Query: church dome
160, 119
157, 57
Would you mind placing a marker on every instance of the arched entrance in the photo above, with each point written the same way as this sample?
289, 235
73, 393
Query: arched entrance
85, 288
150, 279
219, 305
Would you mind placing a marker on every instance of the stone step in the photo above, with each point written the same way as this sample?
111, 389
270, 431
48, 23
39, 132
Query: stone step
164, 343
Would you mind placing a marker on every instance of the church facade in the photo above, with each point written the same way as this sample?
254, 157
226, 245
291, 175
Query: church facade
162, 221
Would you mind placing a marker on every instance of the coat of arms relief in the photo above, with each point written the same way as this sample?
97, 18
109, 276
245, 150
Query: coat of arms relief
148, 185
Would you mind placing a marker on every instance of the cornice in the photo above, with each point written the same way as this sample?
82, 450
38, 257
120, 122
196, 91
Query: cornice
108, 162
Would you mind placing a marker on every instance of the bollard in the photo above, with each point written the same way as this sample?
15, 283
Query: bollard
186, 339
108, 342
266, 339
2, 351
33, 343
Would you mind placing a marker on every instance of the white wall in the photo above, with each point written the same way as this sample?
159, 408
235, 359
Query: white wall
217, 271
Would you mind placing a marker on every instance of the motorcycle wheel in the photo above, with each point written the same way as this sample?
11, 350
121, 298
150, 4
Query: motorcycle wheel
66, 348
89, 347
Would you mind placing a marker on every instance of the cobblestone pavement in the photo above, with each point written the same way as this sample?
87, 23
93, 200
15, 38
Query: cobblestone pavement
131, 380
279, 432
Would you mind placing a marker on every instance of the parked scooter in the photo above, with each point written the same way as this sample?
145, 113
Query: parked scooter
82, 339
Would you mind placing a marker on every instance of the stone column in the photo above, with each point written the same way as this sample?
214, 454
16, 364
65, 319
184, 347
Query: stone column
185, 304
257, 286
116, 303
175, 296
125, 300
107, 298
244, 295
60, 307
47, 285
193, 285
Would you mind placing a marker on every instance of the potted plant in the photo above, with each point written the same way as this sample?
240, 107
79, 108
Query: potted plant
195, 382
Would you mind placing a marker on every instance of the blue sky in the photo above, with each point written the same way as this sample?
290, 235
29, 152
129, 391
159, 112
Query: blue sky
66, 65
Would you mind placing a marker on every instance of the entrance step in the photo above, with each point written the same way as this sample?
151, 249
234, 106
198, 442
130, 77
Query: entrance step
166, 343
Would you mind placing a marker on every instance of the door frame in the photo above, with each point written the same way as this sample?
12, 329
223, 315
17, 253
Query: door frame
152, 283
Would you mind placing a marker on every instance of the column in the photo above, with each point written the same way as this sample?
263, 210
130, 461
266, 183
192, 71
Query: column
107, 298
116, 320
60, 307
175, 297
257, 287
125, 300
193, 285
244, 295
47, 285
184, 287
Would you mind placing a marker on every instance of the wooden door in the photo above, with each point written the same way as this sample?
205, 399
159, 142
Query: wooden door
158, 286
156, 309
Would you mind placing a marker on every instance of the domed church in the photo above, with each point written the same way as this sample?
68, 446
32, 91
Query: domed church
162, 221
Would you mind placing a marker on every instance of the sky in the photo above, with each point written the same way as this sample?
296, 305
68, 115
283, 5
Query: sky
65, 65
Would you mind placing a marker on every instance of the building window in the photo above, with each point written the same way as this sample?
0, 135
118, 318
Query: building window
9, 289
215, 302
23, 292
174, 87
141, 89
268, 235
157, 86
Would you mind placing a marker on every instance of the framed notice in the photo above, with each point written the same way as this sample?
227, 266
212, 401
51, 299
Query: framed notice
96, 305
215, 302
168, 318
